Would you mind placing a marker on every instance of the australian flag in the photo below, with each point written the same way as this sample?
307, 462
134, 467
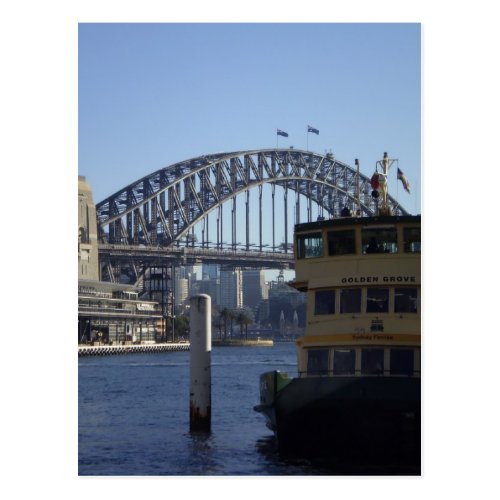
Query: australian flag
313, 130
280, 132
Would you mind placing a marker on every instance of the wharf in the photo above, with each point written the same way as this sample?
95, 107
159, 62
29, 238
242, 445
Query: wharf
239, 343
110, 350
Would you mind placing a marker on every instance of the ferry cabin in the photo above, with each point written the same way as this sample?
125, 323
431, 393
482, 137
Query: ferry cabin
362, 278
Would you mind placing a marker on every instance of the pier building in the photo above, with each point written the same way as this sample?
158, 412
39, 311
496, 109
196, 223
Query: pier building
108, 312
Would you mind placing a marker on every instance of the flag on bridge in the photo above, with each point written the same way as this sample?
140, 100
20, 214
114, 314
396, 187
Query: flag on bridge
313, 130
280, 132
404, 180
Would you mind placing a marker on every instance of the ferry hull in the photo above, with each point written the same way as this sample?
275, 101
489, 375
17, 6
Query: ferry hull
370, 420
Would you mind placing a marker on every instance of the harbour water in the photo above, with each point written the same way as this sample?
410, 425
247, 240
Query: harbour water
134, 416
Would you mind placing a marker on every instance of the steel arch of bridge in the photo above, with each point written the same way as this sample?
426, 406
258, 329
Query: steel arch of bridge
162, 207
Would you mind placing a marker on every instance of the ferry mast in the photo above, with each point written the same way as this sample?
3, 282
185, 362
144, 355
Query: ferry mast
384, 164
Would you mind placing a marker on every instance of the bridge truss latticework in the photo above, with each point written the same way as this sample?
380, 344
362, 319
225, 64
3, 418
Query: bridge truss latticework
162, 208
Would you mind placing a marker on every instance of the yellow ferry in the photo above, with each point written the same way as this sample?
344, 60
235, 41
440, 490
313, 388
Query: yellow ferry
357, 394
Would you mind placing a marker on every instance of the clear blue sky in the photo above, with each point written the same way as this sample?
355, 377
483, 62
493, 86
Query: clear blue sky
150, 95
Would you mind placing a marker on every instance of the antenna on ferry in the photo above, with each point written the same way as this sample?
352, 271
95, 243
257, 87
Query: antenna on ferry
356, 162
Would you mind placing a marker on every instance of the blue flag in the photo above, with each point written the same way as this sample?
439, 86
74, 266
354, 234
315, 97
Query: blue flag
313, 130
280, 132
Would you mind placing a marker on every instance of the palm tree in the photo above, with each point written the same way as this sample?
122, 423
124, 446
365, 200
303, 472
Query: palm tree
244, 317
218, 322
226, 315
182, 326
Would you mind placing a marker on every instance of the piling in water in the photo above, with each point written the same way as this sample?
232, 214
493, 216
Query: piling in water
200, 368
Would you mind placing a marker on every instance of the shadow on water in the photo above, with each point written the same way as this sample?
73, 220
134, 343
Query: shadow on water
278, 465
290, 464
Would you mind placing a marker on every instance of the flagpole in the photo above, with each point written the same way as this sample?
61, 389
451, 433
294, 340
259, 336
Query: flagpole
356, 162
397, 189
417, 194
307, 139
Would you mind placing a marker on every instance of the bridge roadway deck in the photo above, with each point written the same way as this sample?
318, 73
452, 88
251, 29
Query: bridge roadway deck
185, 255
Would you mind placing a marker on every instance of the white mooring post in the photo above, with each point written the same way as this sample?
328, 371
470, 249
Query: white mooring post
200, 368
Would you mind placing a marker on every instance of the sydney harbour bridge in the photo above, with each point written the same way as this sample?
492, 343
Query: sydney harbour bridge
235, 209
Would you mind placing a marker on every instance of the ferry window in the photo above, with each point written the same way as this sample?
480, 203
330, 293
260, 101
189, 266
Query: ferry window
344, 361
309, 246
377, 300
350, 300
317, 361
411, 236
405, 300
401, 361
381, 240
324, 302
341, 242
372, 361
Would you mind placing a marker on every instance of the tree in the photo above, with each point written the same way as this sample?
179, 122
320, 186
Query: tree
182, 325
218, 322
227, 315
244, 317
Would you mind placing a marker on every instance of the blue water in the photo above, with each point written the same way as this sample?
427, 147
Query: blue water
134, 416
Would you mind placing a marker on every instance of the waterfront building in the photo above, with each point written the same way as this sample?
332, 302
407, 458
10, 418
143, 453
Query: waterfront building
88, 258
280, 290
113, 313
108, 312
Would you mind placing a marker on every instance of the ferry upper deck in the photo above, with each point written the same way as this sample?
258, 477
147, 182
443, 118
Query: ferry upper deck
355, 250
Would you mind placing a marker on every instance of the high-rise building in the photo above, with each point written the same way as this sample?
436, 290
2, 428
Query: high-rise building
254, 288
208, 287
181, 290
210, 271
231, 288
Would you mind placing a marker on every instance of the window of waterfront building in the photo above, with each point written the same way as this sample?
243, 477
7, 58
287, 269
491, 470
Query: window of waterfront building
324, 302
372, 361
341, 242
411, 236
309, 246
350, 300
344, 361
401, 361
377, 300
317, 361
379, 240
82, 235
405, 300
